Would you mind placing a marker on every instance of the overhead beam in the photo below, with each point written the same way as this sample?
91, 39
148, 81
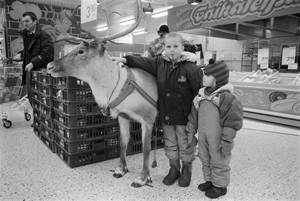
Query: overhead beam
232, 32
266, 28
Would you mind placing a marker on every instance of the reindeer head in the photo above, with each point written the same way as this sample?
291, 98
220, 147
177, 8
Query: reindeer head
90, 52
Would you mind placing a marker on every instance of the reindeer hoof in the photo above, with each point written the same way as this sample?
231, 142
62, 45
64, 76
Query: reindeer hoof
117, 175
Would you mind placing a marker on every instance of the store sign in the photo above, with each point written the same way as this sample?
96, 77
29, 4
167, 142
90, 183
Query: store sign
88, 10
219, 12
288, 55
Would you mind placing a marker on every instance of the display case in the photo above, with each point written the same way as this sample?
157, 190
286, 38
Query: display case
269, 95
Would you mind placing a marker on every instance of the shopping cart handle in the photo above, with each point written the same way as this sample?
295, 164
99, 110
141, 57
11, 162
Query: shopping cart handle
10, 60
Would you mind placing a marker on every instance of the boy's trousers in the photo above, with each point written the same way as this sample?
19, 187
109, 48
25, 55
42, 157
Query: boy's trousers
216, 168
176, 143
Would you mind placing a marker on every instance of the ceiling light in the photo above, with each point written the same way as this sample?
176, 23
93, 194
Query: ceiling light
194, 2
127, 22
162, 9
148, 10
160, 14
102, 28
139, 31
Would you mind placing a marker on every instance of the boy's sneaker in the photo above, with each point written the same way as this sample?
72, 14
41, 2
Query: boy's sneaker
205, 186
216, 192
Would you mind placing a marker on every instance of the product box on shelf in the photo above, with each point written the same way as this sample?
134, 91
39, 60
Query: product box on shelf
86, 158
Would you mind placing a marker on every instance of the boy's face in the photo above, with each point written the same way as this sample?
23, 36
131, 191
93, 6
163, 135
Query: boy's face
208, 80
173, 48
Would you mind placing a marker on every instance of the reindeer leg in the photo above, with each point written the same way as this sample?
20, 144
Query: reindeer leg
121, 169
145, 174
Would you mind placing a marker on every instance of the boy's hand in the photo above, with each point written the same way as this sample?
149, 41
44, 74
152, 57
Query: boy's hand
117, 60
225, 148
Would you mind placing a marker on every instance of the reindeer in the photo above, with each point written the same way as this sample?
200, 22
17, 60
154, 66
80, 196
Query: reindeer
90, 62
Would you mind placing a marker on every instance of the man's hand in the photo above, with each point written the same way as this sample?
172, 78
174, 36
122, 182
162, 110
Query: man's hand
29, 67
17, 57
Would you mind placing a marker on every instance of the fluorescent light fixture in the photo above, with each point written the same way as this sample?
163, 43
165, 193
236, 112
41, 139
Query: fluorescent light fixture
102, 29
194, 3
139, 32
127, 22
160, 14
162, 9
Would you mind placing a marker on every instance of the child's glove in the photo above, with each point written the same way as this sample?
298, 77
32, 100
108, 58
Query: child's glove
192, 140
196, 101
225, 148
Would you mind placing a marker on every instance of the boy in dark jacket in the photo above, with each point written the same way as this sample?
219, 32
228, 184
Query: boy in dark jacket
217, 114
178, 81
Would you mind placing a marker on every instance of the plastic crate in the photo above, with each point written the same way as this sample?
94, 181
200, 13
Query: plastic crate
46, 111
86, 158
134, 148
47, 121
85, 133
81, 107
86, 145
49, 143
45, 78
36, 114
81, 120
46, 89
135, 126
34, 76
79, 94
46, 100
159, 143
159, 133
36, 104
35, 86
69, 82
135, 136
36, 122
37, 131
35, 95
47, 132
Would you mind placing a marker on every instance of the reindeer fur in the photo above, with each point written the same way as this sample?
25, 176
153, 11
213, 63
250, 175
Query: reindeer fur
90, 62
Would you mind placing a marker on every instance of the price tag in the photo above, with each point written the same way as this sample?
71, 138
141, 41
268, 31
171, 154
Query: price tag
263, 56
288, 55
88, 10
293, 66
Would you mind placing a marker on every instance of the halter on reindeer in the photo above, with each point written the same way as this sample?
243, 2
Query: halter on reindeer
90, 62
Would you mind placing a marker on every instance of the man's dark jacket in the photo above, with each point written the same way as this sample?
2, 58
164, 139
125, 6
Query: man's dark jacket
40, 51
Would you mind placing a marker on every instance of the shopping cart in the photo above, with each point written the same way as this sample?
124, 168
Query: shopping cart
11, 88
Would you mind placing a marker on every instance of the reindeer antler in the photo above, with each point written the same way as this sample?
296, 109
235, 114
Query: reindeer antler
127, 31
73, 39
74, 22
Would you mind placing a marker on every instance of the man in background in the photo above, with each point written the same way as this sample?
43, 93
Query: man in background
38, 49
157, 46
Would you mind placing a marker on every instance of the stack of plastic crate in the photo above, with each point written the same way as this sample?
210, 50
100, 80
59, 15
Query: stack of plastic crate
82, 135
135, 143
43, 107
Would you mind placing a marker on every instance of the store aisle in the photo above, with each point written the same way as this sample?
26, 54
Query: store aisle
265, 166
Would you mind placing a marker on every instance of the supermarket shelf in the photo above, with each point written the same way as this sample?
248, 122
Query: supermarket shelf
274, 117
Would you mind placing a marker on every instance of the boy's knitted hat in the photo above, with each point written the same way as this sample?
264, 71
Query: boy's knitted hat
220, 71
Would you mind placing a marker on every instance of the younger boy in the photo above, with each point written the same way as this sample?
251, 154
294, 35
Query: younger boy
218, 115
178, 81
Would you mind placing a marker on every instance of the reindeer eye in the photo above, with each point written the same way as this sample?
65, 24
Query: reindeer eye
80, 52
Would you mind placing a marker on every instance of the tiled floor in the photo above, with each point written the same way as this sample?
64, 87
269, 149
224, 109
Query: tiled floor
265, 166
